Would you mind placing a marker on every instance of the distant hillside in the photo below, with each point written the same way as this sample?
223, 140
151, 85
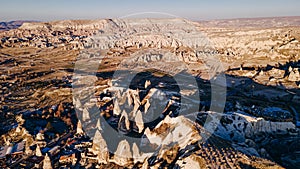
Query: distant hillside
254, 22
11, 25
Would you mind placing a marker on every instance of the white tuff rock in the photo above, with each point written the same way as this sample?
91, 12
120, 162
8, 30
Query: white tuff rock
123, 155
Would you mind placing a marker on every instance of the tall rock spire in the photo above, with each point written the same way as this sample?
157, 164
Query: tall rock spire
99, 147
79, 129
124, 123
139, 121
117, 110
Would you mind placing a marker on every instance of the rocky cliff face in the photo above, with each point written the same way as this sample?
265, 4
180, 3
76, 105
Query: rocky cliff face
67, 34
4, 26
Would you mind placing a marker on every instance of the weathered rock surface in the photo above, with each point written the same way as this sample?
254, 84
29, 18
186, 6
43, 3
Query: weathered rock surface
149, 109
237, 127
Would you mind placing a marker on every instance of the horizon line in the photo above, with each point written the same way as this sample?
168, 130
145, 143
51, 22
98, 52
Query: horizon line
173, 16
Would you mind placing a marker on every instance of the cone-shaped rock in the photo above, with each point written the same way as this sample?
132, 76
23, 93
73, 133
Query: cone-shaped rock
136, 154
98, 125
123, 154
79, 129
47, 162
124, 123
99, 147
117, 110
38, 151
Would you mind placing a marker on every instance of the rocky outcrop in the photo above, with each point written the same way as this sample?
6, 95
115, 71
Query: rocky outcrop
69, 35
172, 130
294, 75
237, 127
